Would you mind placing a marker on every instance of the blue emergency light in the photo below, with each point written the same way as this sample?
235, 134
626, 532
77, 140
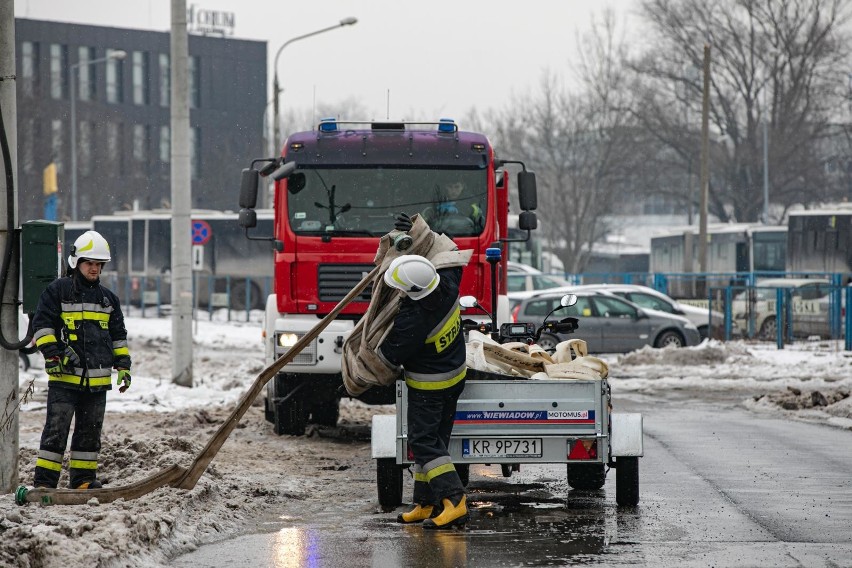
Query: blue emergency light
493, 254
328, 125
446, 125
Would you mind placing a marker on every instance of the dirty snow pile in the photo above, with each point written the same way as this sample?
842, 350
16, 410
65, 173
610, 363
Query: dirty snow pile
809, 381
257, 475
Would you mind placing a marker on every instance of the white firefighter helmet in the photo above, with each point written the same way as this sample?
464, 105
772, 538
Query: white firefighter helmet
413, 274
90, 245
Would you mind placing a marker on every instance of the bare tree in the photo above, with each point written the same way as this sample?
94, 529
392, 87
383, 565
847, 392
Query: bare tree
581, 146
778, 64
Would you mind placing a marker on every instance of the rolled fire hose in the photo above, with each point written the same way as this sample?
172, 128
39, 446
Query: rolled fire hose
175, 475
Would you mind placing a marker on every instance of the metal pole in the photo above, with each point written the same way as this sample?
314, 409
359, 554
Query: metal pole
705, 164
181, 201
276, 86
9, 436
765, 160
74, 143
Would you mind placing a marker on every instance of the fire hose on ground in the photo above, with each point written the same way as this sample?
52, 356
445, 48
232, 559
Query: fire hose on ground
175, 475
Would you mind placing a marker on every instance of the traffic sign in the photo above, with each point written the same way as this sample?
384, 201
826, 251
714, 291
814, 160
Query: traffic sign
198, 257
201, 232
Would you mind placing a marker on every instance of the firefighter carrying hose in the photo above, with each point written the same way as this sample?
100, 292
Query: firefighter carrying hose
79, 328
427, 344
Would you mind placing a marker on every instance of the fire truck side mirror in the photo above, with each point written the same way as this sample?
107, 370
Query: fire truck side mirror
248, 218
527, 221
248, 189
527, 191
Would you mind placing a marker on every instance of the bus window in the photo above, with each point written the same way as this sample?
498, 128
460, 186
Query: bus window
137, 246
116, 234
159, 246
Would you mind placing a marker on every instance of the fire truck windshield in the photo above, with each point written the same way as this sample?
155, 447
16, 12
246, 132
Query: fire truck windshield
362, 202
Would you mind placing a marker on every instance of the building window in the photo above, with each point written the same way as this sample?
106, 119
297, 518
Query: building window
58, 70
56, 144
140, 142
114, 142
86, 74
84, 147
194, 73
195, 152
29, 67
165, 144
27, 142
114, 79
165, 80
140, 78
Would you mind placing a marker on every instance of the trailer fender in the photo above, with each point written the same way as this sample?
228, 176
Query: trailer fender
383, 436
626, 435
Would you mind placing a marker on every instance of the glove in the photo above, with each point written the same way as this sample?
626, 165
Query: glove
402, 222
53, 366
70, 357
123, 379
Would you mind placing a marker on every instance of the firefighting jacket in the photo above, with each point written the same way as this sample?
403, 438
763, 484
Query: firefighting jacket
82, 321
426, 338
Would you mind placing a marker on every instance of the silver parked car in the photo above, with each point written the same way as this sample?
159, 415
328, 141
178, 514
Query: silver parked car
646, 297
608, 323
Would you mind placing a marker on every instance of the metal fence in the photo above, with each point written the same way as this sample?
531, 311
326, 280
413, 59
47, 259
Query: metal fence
152, 295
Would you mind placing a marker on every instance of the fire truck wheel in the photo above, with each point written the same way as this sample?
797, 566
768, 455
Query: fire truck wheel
326, 413
627, 481
291, 417
268, 412
389, 482
586, 476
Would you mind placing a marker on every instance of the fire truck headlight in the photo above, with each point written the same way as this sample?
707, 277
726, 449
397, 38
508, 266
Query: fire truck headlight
287, 340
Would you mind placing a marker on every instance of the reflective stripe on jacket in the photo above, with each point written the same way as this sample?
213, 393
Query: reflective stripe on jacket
426, 338
82, 323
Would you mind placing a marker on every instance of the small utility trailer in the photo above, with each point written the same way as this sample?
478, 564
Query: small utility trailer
506, 421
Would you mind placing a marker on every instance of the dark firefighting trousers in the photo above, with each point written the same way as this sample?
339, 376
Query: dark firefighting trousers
430, 423
87, 408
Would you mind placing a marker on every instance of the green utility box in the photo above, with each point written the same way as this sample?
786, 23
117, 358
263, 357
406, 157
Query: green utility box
41, 259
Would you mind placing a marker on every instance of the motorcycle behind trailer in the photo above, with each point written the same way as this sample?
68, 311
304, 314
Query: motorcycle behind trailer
508, 420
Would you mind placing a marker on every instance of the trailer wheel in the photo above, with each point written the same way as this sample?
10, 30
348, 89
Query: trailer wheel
463, 470
326, 413
389, 482
588, 476
627, 481
291, 416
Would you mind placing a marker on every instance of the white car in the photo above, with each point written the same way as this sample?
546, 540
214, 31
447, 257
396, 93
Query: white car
521, 277
809, 306
646, 297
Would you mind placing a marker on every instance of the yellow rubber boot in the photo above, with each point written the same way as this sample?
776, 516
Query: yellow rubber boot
417, 515
451, 516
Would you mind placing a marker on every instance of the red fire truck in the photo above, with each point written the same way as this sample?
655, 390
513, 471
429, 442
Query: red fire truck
337, 191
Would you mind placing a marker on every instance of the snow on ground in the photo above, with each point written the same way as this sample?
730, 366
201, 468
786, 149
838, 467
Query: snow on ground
258, 475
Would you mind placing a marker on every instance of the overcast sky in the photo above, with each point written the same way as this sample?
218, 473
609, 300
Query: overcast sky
435, 58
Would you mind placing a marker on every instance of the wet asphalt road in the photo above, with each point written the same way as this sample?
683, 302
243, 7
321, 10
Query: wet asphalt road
719, 486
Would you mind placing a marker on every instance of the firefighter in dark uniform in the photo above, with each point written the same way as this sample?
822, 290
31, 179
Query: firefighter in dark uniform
426, 342
79, 328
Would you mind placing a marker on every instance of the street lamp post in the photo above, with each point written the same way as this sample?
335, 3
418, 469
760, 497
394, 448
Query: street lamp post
119, 54
276, 89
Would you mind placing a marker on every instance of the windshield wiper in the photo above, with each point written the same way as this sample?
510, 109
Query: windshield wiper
348, 233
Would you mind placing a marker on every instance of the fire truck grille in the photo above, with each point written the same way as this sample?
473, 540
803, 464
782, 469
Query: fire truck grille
307, 356
337, 280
